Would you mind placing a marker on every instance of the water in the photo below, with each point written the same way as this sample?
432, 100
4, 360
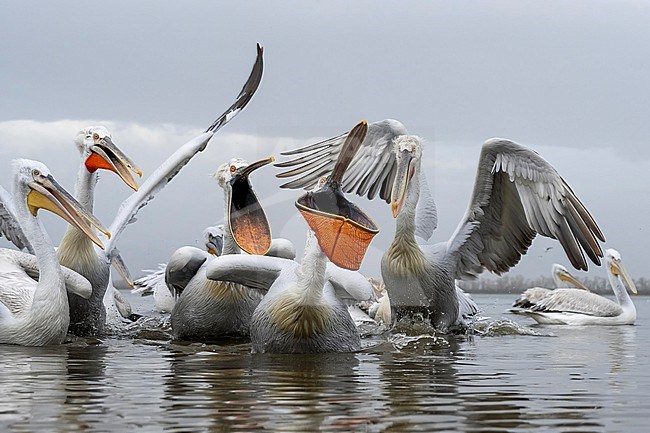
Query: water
503, 378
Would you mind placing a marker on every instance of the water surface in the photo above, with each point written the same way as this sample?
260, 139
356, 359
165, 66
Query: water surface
502, 378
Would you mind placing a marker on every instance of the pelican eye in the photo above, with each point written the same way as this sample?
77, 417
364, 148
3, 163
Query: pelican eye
95, 136
36, 173
233, 169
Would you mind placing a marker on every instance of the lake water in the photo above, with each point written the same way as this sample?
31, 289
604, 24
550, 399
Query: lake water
503, 378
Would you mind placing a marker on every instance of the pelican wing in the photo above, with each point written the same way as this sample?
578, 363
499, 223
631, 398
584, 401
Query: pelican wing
350, 286
467, 308
145, 285
256, 272
9, 226
371, 171
74, 283
170, 168
578, 301
531, 296
16, 287
426, 213
518, 194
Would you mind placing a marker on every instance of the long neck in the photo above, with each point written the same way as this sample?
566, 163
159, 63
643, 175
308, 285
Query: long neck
620, 292
229, 244
84, 188
311, 275
404, 253
76, 250
50, 274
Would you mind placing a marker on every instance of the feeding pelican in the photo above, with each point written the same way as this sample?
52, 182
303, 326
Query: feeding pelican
206, 309
581, 307
35, 313
517, 195
562, 279
75, 252
302, 310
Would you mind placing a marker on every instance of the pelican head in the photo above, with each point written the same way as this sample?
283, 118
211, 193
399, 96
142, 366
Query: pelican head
246, 218
343, 230
615, 267
214, 239
408, 151
562, 274
35, 182
98, 151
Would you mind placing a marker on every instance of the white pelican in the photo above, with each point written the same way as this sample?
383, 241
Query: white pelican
36, 313
582, 307
75, 252
206, 309
562, 279
302, 310
517, 194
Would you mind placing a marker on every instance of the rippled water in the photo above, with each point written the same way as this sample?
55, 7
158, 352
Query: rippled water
501, 379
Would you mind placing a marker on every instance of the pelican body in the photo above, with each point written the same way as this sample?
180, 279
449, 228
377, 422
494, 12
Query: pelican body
36, 313
562, 278
581, 307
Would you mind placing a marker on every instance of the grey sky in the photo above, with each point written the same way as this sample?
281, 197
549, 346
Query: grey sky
569, 79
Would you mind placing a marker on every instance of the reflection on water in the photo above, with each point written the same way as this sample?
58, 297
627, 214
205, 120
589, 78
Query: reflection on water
556, 378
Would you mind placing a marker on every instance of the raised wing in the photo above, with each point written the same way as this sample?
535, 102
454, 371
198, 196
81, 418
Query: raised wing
9, 226
256, 272
426, 213
578, 301
372, 169
145, 285
518, 194
170, 168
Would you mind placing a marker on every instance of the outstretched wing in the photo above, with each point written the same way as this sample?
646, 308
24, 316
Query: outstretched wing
170, 168
145, 285
517, 195
9, 226
372, 169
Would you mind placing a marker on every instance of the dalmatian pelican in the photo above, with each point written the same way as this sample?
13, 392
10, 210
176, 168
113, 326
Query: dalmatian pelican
582, 307
517, 195
35, 312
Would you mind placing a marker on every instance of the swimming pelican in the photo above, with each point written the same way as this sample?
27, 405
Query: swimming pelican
581, 307
517, 195
88, 316
36, 313
206, 309
302, 310
562, 279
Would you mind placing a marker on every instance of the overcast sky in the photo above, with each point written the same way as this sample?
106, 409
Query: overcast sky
569, 79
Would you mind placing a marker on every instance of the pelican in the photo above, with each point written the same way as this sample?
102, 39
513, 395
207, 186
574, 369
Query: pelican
302, 310
206, 309
562, 279
581, 307
517, 195
88, 316
35, 313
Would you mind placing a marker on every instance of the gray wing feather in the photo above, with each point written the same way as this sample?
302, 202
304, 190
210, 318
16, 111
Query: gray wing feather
9, 226
371, 171
145, 285
578, 301
426, 213
517, 195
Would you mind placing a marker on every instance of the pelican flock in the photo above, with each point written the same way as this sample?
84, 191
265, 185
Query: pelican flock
246, 284
517, 195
